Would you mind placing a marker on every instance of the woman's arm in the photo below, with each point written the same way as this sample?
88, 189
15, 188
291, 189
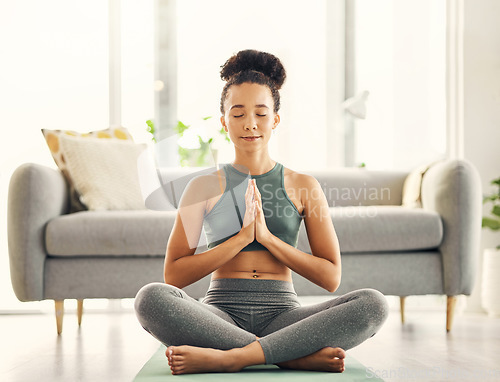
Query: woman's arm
324, 266
182, 267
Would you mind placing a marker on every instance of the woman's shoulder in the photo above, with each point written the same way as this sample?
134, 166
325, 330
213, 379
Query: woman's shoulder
206, 185
299, 180
305, 187
210, 180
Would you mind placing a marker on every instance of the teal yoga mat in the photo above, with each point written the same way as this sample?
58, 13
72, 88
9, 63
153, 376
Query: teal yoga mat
157, 369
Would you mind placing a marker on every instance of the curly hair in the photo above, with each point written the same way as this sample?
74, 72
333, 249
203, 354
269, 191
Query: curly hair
252, 66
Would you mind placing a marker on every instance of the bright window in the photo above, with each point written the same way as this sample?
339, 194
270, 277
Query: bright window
400, 58
53, 74
137, 66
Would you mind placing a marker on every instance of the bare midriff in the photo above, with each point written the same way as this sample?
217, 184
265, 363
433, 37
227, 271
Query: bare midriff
253, 265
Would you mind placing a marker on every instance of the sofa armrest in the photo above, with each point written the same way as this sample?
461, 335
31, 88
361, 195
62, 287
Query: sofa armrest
452, 188
36, 195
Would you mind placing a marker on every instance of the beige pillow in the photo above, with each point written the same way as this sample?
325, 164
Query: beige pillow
412, 186
104, 172
53, 139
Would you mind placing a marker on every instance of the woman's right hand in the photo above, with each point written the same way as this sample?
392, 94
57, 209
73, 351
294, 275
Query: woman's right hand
248, 229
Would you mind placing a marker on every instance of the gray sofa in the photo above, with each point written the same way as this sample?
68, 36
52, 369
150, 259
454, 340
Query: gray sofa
111, 254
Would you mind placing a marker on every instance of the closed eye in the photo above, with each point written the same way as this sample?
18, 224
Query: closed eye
261, 115
238, 116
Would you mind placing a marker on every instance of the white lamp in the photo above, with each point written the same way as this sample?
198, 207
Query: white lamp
356, 106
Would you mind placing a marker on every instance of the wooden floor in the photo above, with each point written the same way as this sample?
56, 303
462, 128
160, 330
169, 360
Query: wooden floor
113, 347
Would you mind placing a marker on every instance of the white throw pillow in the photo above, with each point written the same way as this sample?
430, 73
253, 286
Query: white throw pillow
105, 172
412, 187
53, 138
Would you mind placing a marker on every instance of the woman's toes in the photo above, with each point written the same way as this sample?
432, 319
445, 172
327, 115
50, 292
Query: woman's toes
169, 352
177, 370
334, 352
337, 362
339, 353
174, 360
176, 363
337, 365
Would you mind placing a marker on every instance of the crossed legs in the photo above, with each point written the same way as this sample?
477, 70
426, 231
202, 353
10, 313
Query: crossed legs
203, 338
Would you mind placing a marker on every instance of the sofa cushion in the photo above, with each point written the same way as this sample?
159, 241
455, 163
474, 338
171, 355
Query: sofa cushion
412, 187
105, 173
145, 233
382, 229
115, 233
53, 138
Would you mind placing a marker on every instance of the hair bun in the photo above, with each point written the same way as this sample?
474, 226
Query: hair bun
262, 62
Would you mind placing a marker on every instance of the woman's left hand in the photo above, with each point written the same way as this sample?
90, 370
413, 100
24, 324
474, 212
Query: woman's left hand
262, 233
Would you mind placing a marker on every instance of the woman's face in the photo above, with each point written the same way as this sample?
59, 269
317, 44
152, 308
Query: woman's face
249, 116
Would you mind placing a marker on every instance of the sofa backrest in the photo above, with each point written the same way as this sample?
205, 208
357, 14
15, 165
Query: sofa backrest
342, 187
361, 187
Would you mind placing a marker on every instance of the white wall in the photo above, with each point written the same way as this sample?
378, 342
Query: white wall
482, 103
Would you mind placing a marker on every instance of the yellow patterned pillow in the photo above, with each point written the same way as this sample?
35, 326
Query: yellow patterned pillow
53, 138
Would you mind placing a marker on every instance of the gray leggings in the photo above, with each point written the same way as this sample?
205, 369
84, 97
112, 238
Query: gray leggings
235, 311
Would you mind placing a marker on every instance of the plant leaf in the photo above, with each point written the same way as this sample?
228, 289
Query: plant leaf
223, 132
490, 198
493, 224
207, 117
496, 210
151, 128
180, 128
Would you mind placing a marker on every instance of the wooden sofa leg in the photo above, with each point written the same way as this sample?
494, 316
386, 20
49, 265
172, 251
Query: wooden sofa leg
59, 304
79, 311
402, 308
450, 310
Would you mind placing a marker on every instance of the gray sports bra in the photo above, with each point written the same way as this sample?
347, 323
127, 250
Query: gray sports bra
225, 219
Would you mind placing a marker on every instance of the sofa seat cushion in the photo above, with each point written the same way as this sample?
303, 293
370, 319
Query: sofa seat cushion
387, 228
383, 229
145, 233
114, 233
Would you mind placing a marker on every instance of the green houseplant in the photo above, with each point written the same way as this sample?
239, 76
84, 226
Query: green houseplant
493, 221
151, 129
490, 291
197, 144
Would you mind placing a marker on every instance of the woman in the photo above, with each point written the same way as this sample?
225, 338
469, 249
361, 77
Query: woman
251, 211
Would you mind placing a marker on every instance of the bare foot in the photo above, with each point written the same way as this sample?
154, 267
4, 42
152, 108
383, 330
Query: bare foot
326, 359
190, 359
